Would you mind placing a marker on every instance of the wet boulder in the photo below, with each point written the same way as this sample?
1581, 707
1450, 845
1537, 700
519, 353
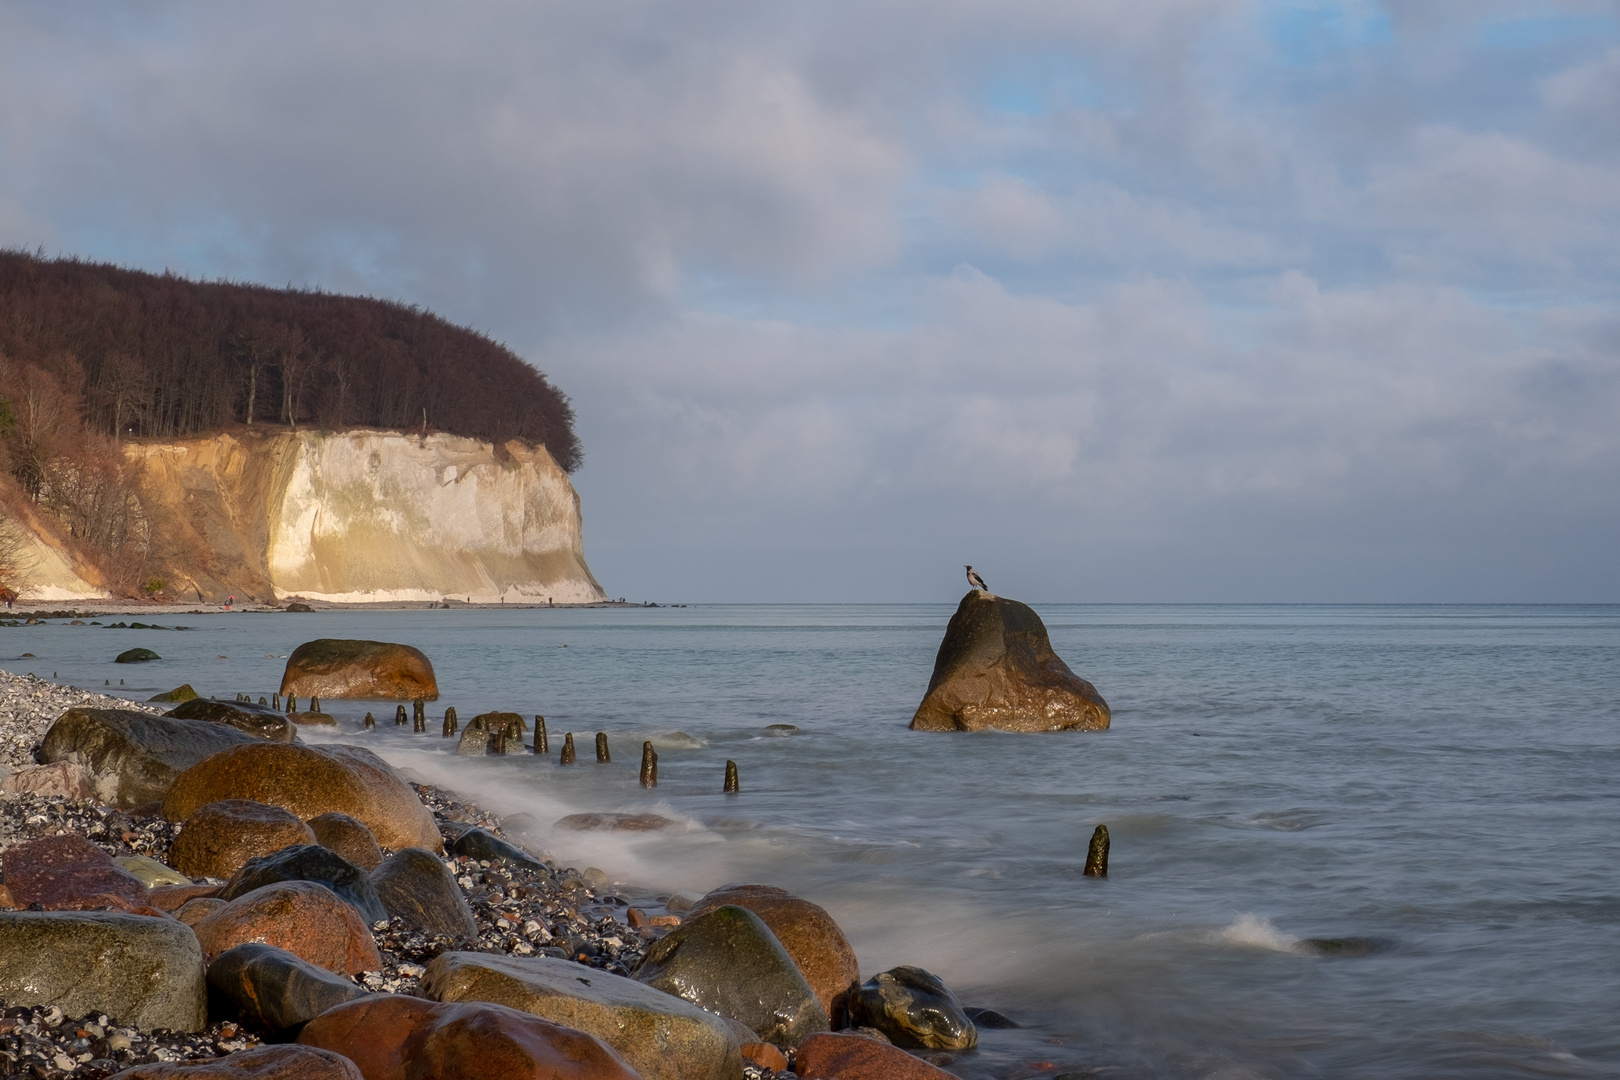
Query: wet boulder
260, 721
348, 837
913, 1008
661, 1036
482, 844
303, 917
310, 862
260, 1063
996, 669
345, 668
136, 656
395, 1037
415, 886
274, 989
728, 962
140, 970
218, 839
817, 946
69, 873
310, 781
151, 873
133, 758
856, 1057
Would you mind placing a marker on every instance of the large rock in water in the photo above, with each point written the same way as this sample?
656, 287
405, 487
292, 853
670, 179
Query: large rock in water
143, 971
996, 669
913, 1007
345, 668
661, 1036
309, 781
132, 758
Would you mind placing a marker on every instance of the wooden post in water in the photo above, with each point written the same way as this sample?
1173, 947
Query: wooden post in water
601, 748
732, 787
498, 746
419, 714
452, 719
541, 745
275, 701
399, 716
1097, 854
292, 704
262, 701
315, 704
649, 765
567, 756
370, 722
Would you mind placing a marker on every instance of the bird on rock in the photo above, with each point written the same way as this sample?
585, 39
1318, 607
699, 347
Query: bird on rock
975, 580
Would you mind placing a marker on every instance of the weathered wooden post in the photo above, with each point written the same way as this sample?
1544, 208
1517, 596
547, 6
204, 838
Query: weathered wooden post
602, 748
649, 765
567, 756
732, 787
1097, 854
541, 744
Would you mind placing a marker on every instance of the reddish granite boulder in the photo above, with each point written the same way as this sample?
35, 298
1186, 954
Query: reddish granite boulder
305, 918
259, 1063
840, 1056
309, 781
69, 873
810, 936
217, 839
348, 837
394, 1037
996, 669
344, 668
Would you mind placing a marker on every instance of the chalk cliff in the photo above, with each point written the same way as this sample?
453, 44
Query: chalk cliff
362, 516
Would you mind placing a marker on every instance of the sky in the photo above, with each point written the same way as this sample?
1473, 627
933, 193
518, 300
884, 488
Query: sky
1117, 300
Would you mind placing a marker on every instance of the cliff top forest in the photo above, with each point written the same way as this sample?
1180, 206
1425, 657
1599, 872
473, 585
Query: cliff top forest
91, 354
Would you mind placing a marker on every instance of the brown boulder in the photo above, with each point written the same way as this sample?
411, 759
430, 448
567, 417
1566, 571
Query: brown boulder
69, 873
766, 1056
172, 898
394, 1037
810, 936
217, 839
841, 1056
344, 668
348, 837
195, 911
996, 669
306, 919
310, 781
260, 1063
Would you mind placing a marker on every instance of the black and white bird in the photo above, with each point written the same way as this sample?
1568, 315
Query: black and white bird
975, 580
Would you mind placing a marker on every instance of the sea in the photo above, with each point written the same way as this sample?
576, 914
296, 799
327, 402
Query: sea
1347, 841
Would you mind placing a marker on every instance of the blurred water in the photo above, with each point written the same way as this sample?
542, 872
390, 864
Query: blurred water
1436, 781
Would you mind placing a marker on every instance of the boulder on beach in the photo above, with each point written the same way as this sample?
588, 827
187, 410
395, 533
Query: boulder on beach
142, 971
849, 1056
136, 656
151, 873
260, 721
64, 778
310, 862
69, 873
346, 668
286, 1062
818, 947
728, 962
658, 1034
309, 781
415, 886
274, 989
183, 692
996, 669
348, 837
303, 917
913, 1008
133, 758
478, 843
218, 839
396, 1037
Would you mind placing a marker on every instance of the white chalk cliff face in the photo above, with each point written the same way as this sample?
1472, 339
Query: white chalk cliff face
366, 517
373, 516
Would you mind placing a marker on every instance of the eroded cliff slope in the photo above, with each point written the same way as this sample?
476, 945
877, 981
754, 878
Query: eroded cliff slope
363, 516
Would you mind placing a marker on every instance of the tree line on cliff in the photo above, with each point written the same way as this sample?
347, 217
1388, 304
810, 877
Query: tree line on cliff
91, 354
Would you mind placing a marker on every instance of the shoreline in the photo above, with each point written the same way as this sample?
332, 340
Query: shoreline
524, 904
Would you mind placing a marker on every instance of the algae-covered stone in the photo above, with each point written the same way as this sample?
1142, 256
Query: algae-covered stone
346, 668
142, 971
132, 758
913, 1008
260, 721
728, 961
996, 669
136, 656
661, 1036
183, 692
310, 781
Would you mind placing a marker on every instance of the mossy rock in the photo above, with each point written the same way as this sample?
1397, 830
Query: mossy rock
136, 656
183, 692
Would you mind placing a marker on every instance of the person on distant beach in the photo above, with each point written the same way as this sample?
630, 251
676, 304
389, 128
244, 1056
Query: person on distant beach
229, 600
